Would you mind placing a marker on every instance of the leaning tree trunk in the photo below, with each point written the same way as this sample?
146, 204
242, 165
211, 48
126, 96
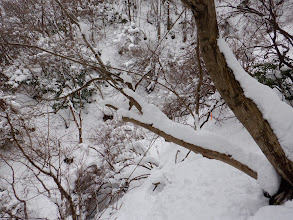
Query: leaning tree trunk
230, 89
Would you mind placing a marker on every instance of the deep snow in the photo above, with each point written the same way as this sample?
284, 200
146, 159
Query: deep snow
197, 188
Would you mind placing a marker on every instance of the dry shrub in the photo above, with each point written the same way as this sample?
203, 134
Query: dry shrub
118, 148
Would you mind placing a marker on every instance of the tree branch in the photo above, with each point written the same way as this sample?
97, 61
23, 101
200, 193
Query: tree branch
196, 149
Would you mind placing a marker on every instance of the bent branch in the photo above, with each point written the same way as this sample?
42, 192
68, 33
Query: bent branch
196, 149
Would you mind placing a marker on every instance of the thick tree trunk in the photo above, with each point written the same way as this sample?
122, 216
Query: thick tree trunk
244, 108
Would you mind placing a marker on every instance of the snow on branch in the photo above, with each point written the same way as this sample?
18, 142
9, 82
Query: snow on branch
275, 111
203, 142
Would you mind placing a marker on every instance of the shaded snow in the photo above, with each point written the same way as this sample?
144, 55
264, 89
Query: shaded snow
284, 212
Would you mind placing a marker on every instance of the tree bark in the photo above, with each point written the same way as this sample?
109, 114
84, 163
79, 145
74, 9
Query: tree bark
199, 79
230, 89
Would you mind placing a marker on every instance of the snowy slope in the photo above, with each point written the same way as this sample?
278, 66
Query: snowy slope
179, 188
197, 188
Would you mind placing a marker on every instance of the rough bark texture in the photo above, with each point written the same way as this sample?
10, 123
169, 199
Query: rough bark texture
244, 108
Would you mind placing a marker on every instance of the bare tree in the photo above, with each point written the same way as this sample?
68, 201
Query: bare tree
223, 77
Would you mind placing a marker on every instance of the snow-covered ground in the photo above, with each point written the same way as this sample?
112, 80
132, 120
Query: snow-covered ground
181, 187
198, 188
184, 185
